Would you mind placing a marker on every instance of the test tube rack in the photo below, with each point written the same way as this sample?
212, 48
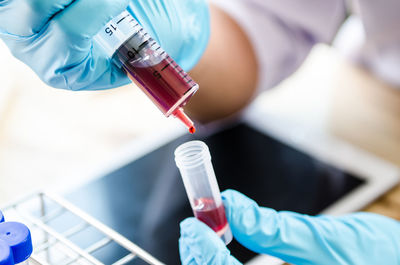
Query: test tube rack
59, 244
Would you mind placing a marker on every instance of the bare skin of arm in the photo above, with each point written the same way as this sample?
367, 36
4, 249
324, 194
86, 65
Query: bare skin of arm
227, 73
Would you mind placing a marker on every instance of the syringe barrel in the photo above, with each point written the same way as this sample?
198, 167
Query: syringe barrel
146, 63
194, 162
116, 32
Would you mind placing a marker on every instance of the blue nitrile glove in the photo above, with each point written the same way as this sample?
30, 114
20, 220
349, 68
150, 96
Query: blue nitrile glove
55, 37
360, 238
181, 27
199, 244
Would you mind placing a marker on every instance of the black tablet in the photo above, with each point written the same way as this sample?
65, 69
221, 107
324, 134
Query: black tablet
143, 198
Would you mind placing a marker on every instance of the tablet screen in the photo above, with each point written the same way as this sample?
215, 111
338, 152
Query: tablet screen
145, 200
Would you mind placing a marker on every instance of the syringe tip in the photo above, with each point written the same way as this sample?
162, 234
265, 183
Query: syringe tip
180, 114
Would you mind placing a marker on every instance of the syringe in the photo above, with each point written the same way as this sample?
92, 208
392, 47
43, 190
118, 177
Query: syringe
148, 66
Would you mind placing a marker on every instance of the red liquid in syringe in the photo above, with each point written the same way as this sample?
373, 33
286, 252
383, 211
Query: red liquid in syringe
165, 83
162, 80
209, 213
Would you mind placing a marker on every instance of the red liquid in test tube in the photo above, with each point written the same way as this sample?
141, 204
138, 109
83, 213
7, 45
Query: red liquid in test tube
212, 215
194, 162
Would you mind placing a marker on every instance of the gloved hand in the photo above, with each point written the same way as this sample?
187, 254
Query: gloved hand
360, 238
55, 37
199, 244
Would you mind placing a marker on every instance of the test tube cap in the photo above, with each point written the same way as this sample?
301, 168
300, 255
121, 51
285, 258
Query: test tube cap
1, 217
6, 257
18, 238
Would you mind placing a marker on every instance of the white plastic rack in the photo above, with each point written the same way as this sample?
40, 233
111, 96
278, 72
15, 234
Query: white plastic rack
63, 234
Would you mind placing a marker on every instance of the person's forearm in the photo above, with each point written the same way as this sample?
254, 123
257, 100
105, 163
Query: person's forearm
227, 72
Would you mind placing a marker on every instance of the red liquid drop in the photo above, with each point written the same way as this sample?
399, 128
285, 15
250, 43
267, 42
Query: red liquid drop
213, 216
180, 114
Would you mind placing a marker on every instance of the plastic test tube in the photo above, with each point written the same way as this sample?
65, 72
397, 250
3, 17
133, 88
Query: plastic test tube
18, 237
148, 66
194, 162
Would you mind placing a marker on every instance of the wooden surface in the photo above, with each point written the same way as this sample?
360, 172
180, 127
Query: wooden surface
366, 112
331, 93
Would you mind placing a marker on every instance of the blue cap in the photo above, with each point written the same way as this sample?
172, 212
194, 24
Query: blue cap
1, 217
18, 237
6, 257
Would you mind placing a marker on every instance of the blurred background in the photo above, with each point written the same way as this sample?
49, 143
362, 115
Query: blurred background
56, 139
